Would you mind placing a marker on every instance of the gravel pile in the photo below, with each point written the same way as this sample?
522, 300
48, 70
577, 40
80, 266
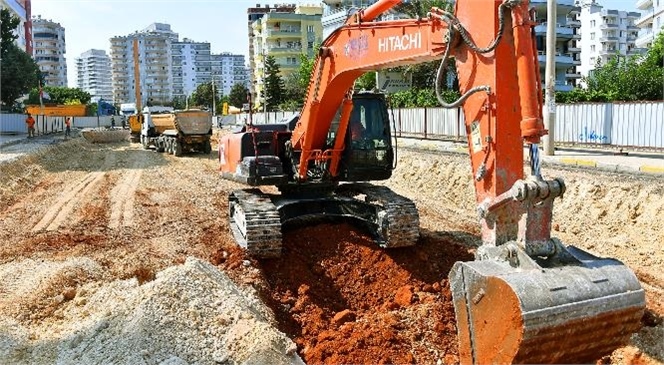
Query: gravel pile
190, 314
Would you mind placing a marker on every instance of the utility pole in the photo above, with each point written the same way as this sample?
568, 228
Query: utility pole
214, 99
550, 78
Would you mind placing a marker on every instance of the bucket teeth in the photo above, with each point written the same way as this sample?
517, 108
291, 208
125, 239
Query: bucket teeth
572, 313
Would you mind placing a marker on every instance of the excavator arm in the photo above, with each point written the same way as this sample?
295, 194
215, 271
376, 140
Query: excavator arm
358, 47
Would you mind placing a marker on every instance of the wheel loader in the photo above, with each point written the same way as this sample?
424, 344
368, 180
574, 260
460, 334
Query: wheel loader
527, 297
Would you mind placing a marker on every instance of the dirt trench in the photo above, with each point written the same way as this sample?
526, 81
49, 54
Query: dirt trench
83, 223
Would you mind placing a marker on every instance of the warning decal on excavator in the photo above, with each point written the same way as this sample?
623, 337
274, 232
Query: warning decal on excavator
476, 136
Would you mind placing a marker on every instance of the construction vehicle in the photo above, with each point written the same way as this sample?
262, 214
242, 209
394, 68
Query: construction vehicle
527, 298
135, 120
178, 131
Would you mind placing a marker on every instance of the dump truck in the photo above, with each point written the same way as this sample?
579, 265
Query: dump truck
177, 132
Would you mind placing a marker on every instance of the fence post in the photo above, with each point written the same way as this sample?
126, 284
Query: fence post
425, 123
400, 126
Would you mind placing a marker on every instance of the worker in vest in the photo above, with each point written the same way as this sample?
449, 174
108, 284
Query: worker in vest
67, 127
30, 122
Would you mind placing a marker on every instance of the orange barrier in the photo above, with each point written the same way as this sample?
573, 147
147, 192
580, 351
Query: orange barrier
57, 110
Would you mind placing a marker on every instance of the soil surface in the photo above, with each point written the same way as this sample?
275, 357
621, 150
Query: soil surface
107, 244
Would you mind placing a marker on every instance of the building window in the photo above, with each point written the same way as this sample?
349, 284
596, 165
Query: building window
592, 48
592, 35
592, 23
310, 28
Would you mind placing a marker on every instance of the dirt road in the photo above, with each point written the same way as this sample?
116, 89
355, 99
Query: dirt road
93, 235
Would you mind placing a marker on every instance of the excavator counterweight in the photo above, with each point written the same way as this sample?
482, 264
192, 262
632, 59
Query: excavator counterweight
527, 298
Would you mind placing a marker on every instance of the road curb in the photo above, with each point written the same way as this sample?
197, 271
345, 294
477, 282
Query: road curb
651, 169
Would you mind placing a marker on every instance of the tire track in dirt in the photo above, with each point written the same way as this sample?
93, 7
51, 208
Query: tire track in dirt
60, 211
67, 201
122, 196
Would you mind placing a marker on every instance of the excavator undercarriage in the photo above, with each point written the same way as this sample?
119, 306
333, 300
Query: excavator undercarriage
257, 217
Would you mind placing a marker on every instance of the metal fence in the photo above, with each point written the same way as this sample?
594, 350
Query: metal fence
15, 123
632, 125
635, 125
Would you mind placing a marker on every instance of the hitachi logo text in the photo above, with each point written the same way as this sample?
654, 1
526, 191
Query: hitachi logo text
400, 43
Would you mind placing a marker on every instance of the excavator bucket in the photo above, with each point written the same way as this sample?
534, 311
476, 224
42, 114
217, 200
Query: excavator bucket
572, 308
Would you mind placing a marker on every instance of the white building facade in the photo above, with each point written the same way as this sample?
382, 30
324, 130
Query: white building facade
21, 10
227, 70
93, 74
651, 21
49, 51
154, 65
191, 66
607, 33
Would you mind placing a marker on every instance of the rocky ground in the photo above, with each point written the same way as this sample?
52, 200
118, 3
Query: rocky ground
113, 254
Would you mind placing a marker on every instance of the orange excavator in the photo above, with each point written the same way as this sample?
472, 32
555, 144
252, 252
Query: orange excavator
527, 298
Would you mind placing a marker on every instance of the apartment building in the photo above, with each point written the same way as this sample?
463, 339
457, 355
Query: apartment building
22, 10
192, 66
254, 14
93, 71
155, 65
607, 33
284, 36
651, 21
335, 13
227, 70
568, 38
49, 50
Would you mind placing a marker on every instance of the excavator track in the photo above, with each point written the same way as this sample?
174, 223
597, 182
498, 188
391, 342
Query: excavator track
397, 217
255, 223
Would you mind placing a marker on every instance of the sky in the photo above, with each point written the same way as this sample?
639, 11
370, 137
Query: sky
89, 24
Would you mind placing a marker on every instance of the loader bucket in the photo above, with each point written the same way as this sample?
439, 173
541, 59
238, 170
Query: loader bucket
522, 310
105, 135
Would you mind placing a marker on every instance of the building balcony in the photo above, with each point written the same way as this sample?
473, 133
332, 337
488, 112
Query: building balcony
633, 27
280, 17
562, 60
608, 26
646, 18
281, 50
285, 33
637, 51
574, 49
608, 51
573, 75
633, 14
610, 13
644, 40
576, 62
643, 4
573, 23
561, 32
609, 39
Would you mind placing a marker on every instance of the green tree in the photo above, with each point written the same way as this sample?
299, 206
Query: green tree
18, 73
296, 84
623, 78
424, 74
238, 95
60, 95
203, 96
8, 24
274, 85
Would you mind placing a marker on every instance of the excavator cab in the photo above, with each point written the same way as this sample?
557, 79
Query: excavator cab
369, 154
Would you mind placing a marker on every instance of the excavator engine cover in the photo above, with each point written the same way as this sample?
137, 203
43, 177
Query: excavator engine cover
570, 308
